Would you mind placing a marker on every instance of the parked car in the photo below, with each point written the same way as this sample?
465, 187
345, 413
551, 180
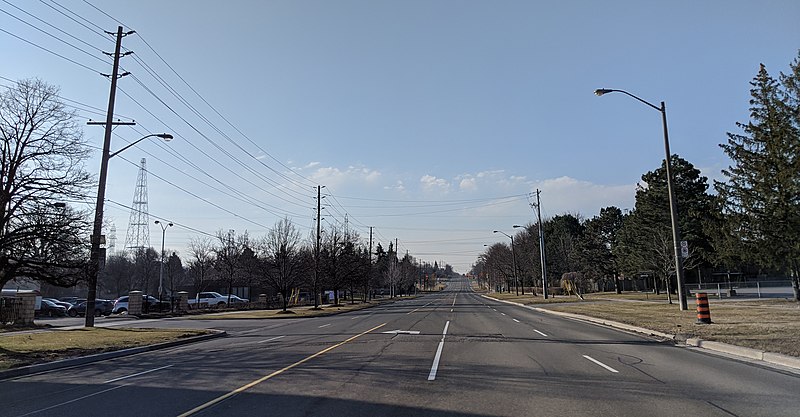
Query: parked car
72, 300
212, 298
149, 303
62, 303
101, 307
51, 309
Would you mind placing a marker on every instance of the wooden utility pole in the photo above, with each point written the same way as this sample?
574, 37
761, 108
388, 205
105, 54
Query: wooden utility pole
541, 244
97, 230
316, 247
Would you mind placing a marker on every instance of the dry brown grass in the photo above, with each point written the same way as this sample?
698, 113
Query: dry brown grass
770, 325
30, 348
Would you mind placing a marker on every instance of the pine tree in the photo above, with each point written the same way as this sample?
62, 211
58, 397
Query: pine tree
645, 241
762, 193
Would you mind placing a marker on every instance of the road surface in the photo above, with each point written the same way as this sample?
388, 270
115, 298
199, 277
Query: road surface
452, 353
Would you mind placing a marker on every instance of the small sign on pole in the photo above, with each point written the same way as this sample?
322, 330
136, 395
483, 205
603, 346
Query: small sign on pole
684, 249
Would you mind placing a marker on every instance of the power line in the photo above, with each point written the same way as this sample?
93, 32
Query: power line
50, 51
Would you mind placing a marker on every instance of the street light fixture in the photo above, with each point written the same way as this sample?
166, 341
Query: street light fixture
673, 204
94, 257
161, 272
513, 262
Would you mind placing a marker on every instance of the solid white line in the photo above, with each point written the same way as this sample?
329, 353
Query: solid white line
435, 366
324, 325
451, 310
503, 314
73, 400
601, 364
454, 300
269, 340
515, 320
137, 374
355, 317
540, 332
494, 309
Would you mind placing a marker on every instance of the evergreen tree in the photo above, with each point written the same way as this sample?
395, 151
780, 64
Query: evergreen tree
599, 240
645, 240
762, 193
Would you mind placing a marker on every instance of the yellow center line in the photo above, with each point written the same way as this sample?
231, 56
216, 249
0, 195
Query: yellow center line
276, 373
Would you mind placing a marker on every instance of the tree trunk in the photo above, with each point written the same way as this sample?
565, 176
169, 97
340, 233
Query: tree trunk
796, 282
616, 284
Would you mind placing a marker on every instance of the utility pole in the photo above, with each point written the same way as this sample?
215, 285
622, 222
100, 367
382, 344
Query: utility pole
541, 244
366, 287
316, 247
97, 230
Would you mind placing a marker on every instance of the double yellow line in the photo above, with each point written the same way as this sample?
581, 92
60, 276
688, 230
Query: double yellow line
276, 373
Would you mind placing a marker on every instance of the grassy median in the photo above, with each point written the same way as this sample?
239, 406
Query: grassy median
297, 312
32, 348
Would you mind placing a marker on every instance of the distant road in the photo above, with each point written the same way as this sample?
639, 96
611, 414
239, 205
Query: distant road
452, 353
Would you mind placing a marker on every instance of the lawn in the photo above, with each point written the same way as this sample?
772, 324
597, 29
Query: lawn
31, 348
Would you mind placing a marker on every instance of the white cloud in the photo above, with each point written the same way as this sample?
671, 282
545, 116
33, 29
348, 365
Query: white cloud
567, 194
336, 177
431, 183
468, 184
398, 186
311, 165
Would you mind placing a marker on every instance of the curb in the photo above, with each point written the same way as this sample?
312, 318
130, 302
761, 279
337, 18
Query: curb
49, 366
749, 353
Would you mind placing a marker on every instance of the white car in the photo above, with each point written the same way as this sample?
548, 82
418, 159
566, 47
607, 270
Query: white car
212, 298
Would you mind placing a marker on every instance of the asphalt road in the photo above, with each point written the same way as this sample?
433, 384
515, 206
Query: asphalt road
452, 353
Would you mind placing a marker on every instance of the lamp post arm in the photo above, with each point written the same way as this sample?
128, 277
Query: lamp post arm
661, 109
161, 135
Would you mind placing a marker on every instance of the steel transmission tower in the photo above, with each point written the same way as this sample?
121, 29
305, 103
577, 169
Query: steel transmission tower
112, 240
138, 235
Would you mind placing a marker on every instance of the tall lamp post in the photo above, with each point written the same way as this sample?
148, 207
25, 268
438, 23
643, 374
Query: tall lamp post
94, 257
673, 204
161, 272
513, 262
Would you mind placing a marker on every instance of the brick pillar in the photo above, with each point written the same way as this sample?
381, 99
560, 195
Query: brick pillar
135, 302
183, 301
27, 302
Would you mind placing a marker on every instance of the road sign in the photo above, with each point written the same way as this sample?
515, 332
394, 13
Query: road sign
684, 249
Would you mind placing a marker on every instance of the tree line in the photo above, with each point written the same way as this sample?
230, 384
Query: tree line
750, 224
279, 263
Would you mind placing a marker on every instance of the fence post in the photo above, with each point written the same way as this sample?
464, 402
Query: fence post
719, 291
758, 285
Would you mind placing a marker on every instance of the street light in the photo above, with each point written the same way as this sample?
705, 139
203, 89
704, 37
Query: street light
513, 262
161, 272
94, 257
673, 204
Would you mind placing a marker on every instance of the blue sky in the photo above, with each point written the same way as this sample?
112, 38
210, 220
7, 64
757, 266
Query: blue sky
429, 120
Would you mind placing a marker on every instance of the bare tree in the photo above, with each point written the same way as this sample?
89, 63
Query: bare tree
146, 264
286, 262
117, 275
200, 266
228, 256
41, 165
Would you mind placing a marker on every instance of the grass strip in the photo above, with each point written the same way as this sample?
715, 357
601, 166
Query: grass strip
32, 348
